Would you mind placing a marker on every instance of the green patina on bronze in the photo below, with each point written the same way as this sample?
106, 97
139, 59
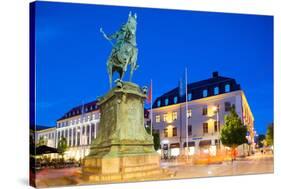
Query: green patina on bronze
121, 129
124, 51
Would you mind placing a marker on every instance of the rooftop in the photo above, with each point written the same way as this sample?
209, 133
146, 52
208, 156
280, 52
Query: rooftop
195, 90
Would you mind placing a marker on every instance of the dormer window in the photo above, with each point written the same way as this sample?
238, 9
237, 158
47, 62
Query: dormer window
189, 97
175, 99
227, 88
158, 103
205, 93
216, 90
166, 101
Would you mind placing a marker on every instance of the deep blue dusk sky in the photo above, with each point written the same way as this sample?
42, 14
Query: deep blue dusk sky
71, 54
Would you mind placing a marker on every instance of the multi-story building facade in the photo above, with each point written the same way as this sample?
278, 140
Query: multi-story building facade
47, 134
79, 126
208, 103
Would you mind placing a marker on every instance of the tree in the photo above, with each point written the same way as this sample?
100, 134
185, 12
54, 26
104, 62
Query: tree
41, 141
156, 137
233, 132
269, 135
62, 146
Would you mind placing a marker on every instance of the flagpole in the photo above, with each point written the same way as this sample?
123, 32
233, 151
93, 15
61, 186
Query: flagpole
186, 110
151, 108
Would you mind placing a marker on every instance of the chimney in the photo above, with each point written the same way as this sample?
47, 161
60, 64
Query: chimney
215, 74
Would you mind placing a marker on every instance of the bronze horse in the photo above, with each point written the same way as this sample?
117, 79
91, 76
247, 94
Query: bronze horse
124, 51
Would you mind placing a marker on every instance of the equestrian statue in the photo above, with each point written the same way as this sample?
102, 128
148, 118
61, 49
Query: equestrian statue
124, 51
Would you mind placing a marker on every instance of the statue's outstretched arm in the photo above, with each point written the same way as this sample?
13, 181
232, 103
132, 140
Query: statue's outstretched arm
110, 37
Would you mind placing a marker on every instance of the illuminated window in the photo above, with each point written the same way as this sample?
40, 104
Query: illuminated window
74, 137
205, 128
165, 117
157, 118
216, 90
205, 111
227, 88
175, 115
174, 131
189, 97
175, 99
158, 103
205, 93
166, 101
78, 136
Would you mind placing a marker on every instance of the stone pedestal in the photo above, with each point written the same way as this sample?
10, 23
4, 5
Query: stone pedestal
123, 149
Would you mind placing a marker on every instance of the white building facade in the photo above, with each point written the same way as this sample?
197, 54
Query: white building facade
208, 103
79, 126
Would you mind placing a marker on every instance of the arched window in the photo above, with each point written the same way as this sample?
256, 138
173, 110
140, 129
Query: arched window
205, 93
227, 88
175, 99
166, 101
158, 103
216, 90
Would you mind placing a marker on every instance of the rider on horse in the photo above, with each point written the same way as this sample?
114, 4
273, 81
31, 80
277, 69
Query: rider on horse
124, 51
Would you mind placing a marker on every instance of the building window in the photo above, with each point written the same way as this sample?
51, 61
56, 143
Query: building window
174, 131
216, 126
70, 137
175, 99
157, 118
227, 88
165, 132
165, 117
166, 101
216, 90
189, 113
159, 103
205, 93
189, 97
88, 134
74, 137
227, 106
175, 116
205, 111
189, 130
78, 136
205, 128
